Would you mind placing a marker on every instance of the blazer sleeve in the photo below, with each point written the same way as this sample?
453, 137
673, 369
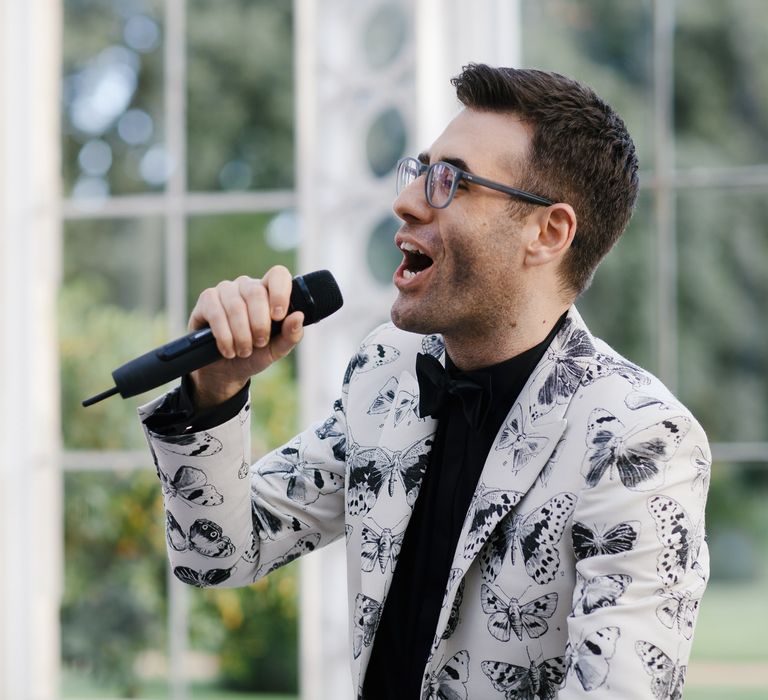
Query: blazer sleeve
228, 523
641, 562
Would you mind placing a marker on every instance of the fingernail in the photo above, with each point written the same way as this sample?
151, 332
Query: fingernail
261, 341
277, 312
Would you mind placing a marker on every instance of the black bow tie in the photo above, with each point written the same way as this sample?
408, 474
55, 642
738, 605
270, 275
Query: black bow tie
436, 386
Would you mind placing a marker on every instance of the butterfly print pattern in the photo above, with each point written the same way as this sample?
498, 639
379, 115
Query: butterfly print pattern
366, 620
380, 546
563, 366
589, 659
242, 473
667, 677
204, 537
521, 444
433, 345
485, 509
677, 534
603, 365
303, 546
537, 533
384, 399
508, 615
189, 444
638, 456
594, 543
450, 681
370, 357
306, 481
454, 616
329, 430
637, 400
678, 611
601, 591
371, 468
702, 464
268, 525
534, 682
200, 578
190, 484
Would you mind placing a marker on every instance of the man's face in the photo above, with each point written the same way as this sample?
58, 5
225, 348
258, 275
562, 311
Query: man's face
474, 275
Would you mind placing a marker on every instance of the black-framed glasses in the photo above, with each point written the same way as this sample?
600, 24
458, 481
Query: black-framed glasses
443, 179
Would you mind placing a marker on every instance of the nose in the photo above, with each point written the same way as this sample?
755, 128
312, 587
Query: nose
411, 204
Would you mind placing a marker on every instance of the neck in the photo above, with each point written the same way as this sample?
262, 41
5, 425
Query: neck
469, 351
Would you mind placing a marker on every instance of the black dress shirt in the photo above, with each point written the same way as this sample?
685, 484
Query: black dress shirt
409, 619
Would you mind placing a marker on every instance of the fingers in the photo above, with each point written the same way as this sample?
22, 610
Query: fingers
240, 314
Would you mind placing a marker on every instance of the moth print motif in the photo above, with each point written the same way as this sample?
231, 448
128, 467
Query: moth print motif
406, 404
537, 533
681, 541
348, 529
267, 525
243, 471
594, 543
433, 345
380, 546
521, 444
534, 682
454, 575
508, 615
189, 445
636, 400
589, 658
330, 431
667, 677
370, 468
370, 357
252, 553
200, 578
599, 591
563, 366
702, 463
454, 616
366, 620
603, 365
384, 399
678, 611
205, 537
306, 481
639, 456
487, 507
304, 545
190, 484
450, 681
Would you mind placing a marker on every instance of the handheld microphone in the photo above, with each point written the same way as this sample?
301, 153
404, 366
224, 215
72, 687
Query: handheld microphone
316, 294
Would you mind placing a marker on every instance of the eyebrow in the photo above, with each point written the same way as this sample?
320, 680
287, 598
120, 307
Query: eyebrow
460, 163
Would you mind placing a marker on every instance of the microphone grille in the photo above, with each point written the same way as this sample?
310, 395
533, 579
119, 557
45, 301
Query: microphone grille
324, 294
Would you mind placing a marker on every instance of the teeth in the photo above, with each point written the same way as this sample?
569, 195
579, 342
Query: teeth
410, 248
410, 274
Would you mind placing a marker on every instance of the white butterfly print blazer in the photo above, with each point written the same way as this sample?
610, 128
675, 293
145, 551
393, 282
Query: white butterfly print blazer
581, 562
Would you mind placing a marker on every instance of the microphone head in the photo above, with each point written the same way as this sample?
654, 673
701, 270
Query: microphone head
317, 295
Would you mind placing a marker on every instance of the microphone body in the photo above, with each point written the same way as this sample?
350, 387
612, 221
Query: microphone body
316, 294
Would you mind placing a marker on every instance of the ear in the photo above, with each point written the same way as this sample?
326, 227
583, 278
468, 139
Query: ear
555, 227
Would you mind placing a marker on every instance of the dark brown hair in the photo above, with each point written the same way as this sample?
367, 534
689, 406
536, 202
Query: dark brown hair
581, 153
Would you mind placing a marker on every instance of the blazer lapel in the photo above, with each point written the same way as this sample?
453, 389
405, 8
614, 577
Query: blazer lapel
524, 445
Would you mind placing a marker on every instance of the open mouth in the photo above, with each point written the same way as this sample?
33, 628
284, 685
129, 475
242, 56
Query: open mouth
415, 260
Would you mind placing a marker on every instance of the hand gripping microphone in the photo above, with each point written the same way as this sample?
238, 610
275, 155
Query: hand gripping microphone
316, 294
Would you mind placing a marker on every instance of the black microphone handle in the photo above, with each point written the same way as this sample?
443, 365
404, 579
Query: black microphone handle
198, 349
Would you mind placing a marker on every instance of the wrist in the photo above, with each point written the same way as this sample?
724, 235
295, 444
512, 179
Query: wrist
208, 395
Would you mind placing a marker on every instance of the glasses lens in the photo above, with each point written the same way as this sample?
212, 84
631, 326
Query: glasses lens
407, 172
440, 185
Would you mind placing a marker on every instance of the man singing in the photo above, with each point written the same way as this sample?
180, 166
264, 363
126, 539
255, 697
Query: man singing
520, 503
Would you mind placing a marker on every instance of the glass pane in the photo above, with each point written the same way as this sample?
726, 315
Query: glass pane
723, 288
114, 609
603, 43
619, 305
721, 85
112, 118
729, 654
240, 94
110, 311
